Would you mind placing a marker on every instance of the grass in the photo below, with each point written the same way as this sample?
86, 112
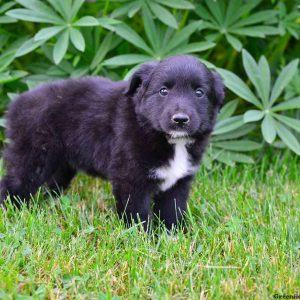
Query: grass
243, 242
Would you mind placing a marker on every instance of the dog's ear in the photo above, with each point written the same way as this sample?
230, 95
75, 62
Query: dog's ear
140, 78
219, 88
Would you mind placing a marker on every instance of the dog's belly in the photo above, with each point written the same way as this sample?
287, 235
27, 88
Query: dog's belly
176, 168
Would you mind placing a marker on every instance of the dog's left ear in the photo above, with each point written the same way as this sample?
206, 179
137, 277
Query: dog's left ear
219, 88
140, 78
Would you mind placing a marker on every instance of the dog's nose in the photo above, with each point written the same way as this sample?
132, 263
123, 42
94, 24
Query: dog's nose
180, 119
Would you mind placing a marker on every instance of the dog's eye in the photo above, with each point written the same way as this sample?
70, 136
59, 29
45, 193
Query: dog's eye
199, 92
163, 91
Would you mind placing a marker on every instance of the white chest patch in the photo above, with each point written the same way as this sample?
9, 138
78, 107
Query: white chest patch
177, 167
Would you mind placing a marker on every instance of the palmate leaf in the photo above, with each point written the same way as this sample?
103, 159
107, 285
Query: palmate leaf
234, 17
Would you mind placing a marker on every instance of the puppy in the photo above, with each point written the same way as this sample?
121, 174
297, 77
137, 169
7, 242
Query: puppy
146, 136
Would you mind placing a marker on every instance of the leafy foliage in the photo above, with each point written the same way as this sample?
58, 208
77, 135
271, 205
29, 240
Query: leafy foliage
52, 39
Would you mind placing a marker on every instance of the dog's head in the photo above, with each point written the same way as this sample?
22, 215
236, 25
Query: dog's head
178, 96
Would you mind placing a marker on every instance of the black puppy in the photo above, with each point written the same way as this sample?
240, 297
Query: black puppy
146, 136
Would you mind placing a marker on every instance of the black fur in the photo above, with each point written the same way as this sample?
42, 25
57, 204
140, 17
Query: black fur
115, 130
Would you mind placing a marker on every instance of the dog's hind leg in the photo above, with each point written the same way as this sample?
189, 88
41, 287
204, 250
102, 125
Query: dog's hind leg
61, 179
26, 171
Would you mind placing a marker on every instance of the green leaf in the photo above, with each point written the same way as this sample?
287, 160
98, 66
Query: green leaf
47, 33
163, 15
217, 10
287, 137
242, 145
236, 85
134, 9
286, 105
265, 75
75, 7
77, 39
268, 129
62, 7
253, 32
34, 16
102, 51
283, 79
255, 76
86, 21
6, 6
131, 36
11, 76
228, 125
180, 4
61, 47
234, 42
108, 23
6, 59
7, 20
261, 16
230, 158
253, 115
192, 48
127, 59
28, 46
150, 28
291, 122
228, 110
182, 35
237, 133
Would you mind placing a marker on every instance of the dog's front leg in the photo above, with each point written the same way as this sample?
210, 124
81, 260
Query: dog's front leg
171, 204
133, 204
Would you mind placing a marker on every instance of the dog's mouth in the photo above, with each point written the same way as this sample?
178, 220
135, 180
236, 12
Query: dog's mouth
174, 136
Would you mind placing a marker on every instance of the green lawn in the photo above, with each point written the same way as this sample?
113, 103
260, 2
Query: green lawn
243, 242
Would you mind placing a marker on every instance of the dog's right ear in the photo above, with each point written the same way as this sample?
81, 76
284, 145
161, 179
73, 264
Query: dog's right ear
140, 78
